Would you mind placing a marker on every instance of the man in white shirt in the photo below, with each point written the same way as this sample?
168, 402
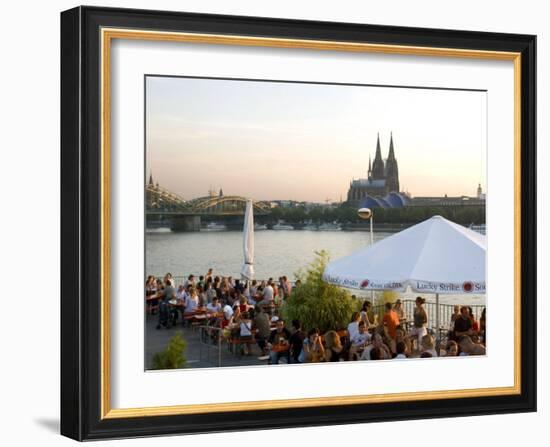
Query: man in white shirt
268, 293
362, 337
214, 306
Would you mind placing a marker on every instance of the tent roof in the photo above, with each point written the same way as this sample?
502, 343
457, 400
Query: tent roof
436, 255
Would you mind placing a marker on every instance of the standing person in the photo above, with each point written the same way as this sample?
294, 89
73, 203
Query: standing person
296, 341
279, 300
210, 292
420, 317
273, 284
263, 328
279, 344
367, 315
268, 294
203, 299
208, 275
253, 289
167, 294
287, 286
168, 277
398, 309
390, 320
190, 281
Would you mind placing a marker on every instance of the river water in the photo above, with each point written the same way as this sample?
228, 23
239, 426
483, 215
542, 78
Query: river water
277, 253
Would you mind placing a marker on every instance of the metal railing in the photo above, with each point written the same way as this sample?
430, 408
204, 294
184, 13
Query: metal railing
205, 338
445, 312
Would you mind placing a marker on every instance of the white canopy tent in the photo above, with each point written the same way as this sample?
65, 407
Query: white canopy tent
435, 256
247, 270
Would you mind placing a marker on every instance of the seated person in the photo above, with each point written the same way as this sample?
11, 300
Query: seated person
353, 326
313, 350
451, 350
468, 347
334, 350
245, 332
191, 301
378, 354
400, 335
279, 344
427, 345
227, 316
401, 349
377, 342
463, 324
362, 337
215, 306
296, 341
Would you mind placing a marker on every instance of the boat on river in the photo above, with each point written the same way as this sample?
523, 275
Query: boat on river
215, 226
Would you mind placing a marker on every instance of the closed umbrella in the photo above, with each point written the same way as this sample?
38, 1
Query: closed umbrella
247, 270
435, 256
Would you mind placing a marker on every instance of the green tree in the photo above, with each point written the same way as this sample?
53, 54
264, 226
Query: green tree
317, 303
172, 357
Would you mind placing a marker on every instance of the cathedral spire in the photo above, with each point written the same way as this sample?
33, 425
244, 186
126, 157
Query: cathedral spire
151, 177
391, 155
378, 150
392, 171
378, 165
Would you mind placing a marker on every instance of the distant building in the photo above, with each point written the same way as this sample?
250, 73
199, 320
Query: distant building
381, 187
480, 193
478, 200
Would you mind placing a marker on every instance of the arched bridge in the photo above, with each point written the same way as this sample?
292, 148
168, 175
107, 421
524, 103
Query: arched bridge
162, 201
186, 215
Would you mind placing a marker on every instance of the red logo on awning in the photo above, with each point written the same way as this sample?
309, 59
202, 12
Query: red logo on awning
365, 283
467, 286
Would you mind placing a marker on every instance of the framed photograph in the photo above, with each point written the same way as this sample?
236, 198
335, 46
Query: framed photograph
274, 223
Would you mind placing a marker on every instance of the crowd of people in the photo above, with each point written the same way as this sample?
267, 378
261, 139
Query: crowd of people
251, 313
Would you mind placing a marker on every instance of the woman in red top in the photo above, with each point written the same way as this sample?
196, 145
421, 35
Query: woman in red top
475, 323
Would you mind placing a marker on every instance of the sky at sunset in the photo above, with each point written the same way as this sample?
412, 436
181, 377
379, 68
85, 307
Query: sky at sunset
299, 141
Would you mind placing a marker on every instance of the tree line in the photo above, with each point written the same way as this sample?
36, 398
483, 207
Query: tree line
465, 215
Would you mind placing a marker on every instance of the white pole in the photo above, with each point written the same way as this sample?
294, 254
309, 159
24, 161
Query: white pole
371, 242
437, 319
371, 235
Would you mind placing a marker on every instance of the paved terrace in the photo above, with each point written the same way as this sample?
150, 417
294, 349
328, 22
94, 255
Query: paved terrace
198, 355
